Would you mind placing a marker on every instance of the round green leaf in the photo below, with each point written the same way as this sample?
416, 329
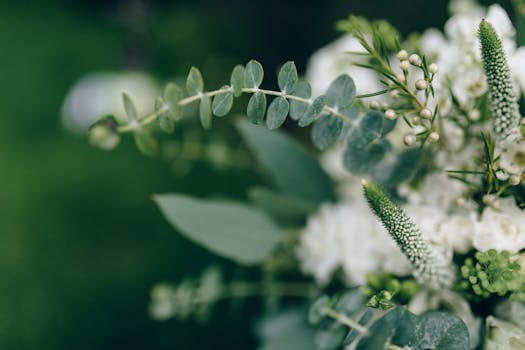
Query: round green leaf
277, 112
331, 336
256, 108
205, 111
313, 111
222, 103
287, 77
237, 80
172, 95
298, 108
326, 131
129, 108
364, 160
254, 74
233, 230
341, 92
317, 311
369, 129
194, 82
441, 331
146, 143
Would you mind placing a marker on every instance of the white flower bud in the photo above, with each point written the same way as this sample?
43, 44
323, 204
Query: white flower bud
409, 140
415, 60
394, 93
416, 121
402, 55
514, 180
433, 68
426, 114
390, 114
374, 104
404, 65
421, 84
433, 137
401, 78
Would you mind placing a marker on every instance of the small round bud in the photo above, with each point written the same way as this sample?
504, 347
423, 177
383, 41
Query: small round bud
514, 180
402, 55
426, 114
421, 84
416, 121
103, 137
415, 60
433, 137
374, 104
460, 202
489, 199
474, 115
433, 68
390, 114
394, 93
404, 65
409, 140
401, 78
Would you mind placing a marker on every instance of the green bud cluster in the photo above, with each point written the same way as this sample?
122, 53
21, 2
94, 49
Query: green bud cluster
431, 268
400, 290
503, 103
490, 273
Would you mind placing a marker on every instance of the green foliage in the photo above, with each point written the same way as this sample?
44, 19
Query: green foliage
237, 80
327, 131
341, 92
294, 171
129, 108
313, 111
205, 112
222, 103
286, 330
254, 74
194, 82
491, 273
234, 230
280, 205
172, 95
277, 113
401, 290
146, 143
256, 108
166, 121
298, 108
287, 78
319, 309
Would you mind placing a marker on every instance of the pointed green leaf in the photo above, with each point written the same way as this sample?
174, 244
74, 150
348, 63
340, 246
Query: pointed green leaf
287, 78
298, 108
172, 95
326, 131
205, 111
234, 230
222, 103
256, 108
194, 82
277, 112
280, 205
237, 80
313, 111
129, 108
293, 169
146, 143
370, 128
341, 92
254, 74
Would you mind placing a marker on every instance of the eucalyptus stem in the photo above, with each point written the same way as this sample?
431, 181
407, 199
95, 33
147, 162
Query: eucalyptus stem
343, 319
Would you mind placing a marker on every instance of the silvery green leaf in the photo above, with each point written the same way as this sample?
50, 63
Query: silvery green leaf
234, 230
194, 82
313, 111
254, 74
205, 112
256, 108
317, 311
146, 143
172, 95
326, 131
281, 205
277, 112
287, 78
341, 92
369, 129
237, 80
222, 103
363, 160
298, 108
129, 108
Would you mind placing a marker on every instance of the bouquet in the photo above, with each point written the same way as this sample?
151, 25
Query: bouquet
407, 231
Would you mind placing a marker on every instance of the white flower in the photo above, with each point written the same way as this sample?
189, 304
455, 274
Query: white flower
503, 335
348, 236
500, 229
457, 230
329, 62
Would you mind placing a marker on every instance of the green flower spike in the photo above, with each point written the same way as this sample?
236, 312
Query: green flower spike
431, 267
503, 103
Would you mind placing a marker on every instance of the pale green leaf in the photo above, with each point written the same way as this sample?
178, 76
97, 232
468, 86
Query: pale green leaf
233, 230
277, 112
146, 143
222, 103
237, 80
280, 205
298, 108
205, 112
256, 108
369, 129
313, 111
194, 82
341, 92
172, 95
326, 131
254, 74
287, 77
129, 108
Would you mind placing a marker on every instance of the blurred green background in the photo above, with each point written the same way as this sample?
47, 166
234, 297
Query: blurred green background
81, 243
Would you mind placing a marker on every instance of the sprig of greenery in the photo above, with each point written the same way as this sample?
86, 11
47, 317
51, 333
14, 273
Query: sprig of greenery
431, 268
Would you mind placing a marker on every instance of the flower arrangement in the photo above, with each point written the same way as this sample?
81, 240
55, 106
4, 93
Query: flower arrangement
408, 231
